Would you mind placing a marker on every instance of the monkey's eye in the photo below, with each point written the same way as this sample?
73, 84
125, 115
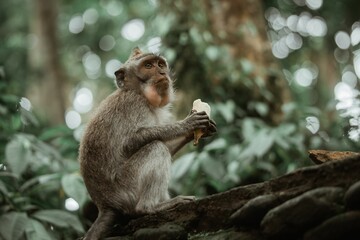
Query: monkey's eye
148, 65
161, 65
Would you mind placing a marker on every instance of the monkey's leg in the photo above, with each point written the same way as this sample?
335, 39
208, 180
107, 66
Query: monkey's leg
154, 160
152, 167
102, 225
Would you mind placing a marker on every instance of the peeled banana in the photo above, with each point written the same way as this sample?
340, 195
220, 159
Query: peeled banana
200, 106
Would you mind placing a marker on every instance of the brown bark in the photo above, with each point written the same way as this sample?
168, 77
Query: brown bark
322, 156
47, 88
212, 213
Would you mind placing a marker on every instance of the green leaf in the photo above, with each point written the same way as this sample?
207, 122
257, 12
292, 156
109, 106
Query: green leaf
219, 143
3, 110
54, 132
282, 142
227, 110
12, 225
261, 108
59, 218
36, 231
233, 152
246, 66
286, 129
16, 122
9, 98
43, 179
3, 188
262, 142
28, 117
16, 156
248, 128
44, 148
212, 52
74, 187
213, 168
182, 164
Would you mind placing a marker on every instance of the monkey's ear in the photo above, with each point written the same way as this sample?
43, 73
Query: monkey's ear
120, 76
135, 53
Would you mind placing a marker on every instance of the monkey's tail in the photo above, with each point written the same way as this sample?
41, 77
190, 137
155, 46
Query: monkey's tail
102, 225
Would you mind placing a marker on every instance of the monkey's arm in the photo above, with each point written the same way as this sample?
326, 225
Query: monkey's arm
176, 144
166, 133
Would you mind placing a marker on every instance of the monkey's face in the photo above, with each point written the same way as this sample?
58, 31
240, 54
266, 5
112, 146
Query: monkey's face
147, 74
153, 72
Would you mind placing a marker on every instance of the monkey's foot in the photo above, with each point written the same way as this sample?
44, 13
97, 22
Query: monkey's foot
186, 198
173, 202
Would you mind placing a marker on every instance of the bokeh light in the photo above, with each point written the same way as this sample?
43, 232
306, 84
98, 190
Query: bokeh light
349, 78
71, 204
90, 16
83, 101
76, 24
72, 119
133, 30
25, 103
280, 49
287, 32
355, 34
303, 77
316, 27
342, 40
312, 124
114, 8
154, 44
107, 43
111, 67
294, 41
314, 4
357, 63
92, 65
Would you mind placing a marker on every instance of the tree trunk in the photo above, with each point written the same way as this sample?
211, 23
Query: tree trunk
216, 212
46, 90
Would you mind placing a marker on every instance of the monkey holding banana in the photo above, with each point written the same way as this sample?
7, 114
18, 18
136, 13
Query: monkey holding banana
126, 150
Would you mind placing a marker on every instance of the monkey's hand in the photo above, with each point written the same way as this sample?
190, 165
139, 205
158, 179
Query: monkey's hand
196, 120
210, 130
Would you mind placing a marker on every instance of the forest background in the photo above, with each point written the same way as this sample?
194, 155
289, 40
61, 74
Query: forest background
281, 77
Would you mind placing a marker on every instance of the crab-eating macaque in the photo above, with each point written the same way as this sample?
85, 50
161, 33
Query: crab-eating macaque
126, 150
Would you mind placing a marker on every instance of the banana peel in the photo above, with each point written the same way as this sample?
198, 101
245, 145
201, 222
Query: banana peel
200, 106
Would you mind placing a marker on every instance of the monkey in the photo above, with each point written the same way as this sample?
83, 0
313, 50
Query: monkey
127, 147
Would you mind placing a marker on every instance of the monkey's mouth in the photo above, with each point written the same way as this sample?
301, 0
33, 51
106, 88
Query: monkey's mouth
162, 86
162, 81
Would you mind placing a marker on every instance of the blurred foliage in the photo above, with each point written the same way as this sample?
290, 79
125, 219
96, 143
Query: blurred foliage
248, 148
35, 177
38, 166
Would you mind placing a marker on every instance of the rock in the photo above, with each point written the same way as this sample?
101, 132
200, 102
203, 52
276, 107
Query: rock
322, 156
254, 210
299, 214
165, 232
343, 226
352, 196
229, 234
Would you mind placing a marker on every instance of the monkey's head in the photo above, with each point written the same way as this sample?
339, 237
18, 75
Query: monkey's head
147, 74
